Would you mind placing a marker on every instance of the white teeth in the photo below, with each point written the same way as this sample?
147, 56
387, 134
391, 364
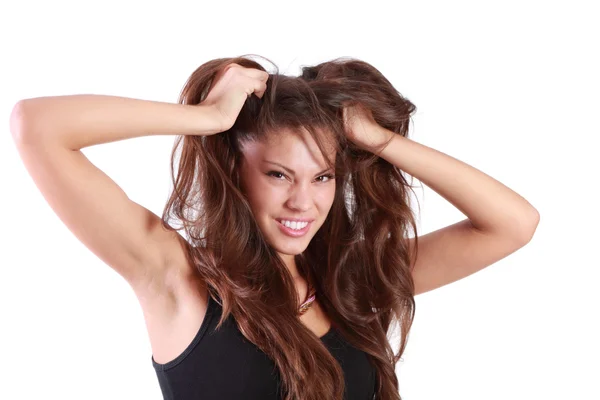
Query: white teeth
294, 225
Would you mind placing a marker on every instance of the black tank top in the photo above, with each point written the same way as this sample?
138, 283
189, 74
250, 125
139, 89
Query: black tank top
224, 365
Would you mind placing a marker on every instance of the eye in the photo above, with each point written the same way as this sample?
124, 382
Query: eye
328, 176
272, 173
278, 175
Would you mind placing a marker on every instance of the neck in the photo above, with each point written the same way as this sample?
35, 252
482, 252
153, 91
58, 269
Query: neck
299, 281
290, 263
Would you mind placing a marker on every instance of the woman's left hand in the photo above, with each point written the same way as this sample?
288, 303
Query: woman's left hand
362, 129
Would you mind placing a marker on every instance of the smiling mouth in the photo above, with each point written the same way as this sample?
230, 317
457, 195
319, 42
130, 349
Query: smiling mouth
294, 232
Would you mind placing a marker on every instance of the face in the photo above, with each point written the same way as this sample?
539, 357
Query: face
289, 187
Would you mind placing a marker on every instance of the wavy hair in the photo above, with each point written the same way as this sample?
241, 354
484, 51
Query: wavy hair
358, 261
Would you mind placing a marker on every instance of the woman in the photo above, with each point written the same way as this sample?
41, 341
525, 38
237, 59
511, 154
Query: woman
292, 196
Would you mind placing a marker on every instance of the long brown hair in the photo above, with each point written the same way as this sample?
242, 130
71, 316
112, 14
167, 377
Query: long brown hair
358, 261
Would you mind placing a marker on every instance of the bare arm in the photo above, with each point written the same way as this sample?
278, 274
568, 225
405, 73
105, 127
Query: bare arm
78, 121
49, 131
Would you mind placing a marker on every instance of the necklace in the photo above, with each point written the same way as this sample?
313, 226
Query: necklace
308, 302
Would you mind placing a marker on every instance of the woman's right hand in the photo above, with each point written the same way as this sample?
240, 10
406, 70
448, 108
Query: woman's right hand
230, 89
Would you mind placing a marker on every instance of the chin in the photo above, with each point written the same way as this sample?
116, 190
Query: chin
289, 248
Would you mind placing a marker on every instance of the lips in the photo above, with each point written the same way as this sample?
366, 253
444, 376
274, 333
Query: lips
295, 219
294, 232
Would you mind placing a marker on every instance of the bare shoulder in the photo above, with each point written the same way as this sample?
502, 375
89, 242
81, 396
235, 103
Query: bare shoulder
174, 305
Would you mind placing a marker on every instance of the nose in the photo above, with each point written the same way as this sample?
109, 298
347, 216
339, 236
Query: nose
300, 198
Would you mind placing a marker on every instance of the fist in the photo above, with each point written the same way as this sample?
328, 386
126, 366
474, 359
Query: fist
362, 129
230, 89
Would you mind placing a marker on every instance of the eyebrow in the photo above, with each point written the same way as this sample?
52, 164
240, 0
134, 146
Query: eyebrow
292, 171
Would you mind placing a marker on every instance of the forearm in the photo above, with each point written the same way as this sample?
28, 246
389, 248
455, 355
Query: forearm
78, 121
489, 205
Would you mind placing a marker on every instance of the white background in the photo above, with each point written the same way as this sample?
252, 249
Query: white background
509, 87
